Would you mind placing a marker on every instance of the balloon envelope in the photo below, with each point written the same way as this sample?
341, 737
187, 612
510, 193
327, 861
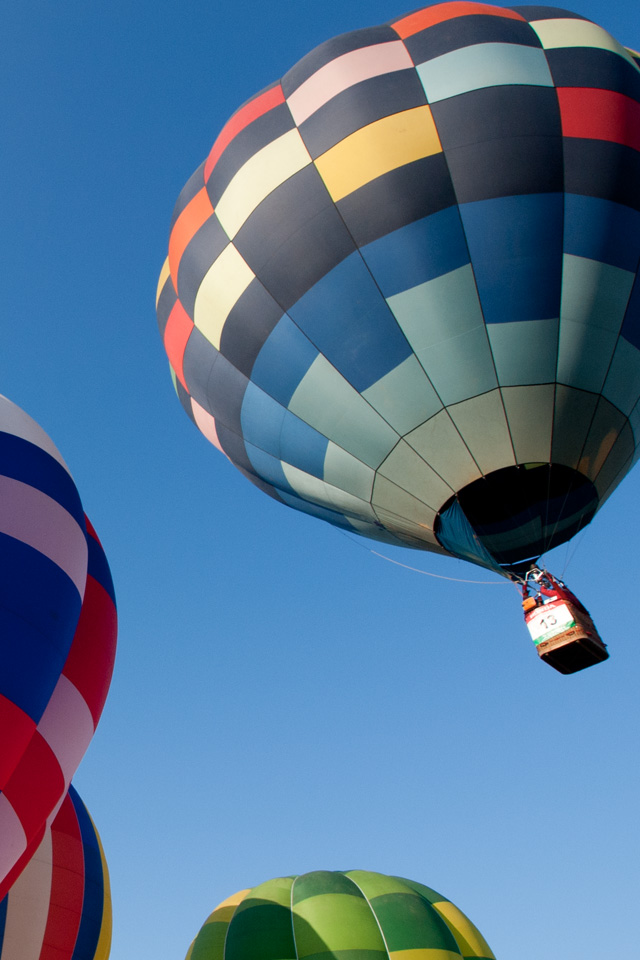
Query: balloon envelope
401, 292
321, 914
57, 635
60, 906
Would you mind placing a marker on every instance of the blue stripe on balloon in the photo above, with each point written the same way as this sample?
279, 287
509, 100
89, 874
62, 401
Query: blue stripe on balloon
93, 901
516, 253
3, 918
98, 567
602, 230
350, 323
283, 361
39, 610
417, 253
25, 461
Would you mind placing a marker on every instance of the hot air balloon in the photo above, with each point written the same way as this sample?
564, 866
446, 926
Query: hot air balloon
402, 291
60, 906
57, 636
324, 913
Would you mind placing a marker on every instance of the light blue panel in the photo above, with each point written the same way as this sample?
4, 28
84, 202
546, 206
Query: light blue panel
483, 65
483, 426
524, 353
622, 386
417, 252
404, 397
442, 320
318, 491
285, 357
268, 467
573, 414
344, 471
594, 300
262, 418
328, 403
530, 418
302, 446
314, 510
439, 443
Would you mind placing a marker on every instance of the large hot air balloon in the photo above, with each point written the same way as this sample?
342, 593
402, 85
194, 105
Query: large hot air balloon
57, 635
331, 914
60, 906
401, 292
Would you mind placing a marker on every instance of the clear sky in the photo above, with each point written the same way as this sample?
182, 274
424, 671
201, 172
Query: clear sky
284, 700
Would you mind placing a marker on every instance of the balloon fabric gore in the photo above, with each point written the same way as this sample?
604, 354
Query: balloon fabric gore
402, 291
328, 914
57, 636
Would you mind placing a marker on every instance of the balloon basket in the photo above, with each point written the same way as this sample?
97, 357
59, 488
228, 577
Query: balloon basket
575, 643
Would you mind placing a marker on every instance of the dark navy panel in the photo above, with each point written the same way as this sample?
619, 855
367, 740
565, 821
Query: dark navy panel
194, 185
283, 361
38, 618
185, 399
98, 567
465, 31
602, 230
251, 320
547, 13
593, 67
261, 131
302, 446
294, 237
233, 445
199, 357
332, 49
203, 249
503, 168
599, 168
349, 321
24, 461
401, 196
493, 113
269, 470
418, 252
225, 390
3, 917
166, 302
93, 899
516, 252
359, 105
631, 326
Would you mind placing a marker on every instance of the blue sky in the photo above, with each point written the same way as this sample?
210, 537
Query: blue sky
284, 700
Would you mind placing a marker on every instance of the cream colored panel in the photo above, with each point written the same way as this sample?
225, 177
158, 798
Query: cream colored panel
439, 443
401, 513
28, 906
378, 148
258, 177
327, 402
576, 33
411, 473
346, 472
530, 416
222, 286
483, 426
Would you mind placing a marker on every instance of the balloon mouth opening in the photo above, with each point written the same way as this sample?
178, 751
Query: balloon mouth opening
509, 518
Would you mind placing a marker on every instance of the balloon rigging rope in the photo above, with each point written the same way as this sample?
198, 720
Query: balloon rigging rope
426, 573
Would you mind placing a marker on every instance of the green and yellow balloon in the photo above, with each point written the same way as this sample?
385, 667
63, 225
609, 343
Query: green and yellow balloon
355, 915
